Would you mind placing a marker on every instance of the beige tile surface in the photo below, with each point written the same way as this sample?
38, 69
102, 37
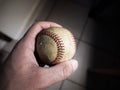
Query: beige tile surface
70, 15
83, 56
15, 14
55, 87
2, 43
9, 46
71, 86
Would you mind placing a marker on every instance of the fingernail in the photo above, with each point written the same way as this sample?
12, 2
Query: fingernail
59, 25
74, 64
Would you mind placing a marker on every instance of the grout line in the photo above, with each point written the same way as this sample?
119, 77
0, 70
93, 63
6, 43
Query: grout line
61, 85
52, 8
82, 32
77, 83
77, 43
83, 29
84, 26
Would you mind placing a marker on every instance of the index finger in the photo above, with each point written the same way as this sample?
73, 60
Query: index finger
30, 36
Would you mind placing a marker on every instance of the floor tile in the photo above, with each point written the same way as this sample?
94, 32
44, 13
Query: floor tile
55, 87
82, 55
71, 86
90, 57
89, 32
43, 15
3, 55
2, 43
70, 15
5, 51
9, 46
104, 35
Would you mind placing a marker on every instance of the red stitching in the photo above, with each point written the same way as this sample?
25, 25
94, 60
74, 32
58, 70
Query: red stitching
60, 45
74, 42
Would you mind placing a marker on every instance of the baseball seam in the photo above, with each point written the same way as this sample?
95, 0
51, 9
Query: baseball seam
60, 45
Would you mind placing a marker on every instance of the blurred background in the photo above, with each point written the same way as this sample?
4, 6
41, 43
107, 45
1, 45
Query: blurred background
95, 25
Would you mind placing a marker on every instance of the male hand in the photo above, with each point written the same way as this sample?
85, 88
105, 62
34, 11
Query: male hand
21, 71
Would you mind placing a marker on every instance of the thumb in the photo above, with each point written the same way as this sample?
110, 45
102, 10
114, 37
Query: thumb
58, 72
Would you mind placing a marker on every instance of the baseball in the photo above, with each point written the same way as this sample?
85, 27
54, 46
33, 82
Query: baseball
55, 45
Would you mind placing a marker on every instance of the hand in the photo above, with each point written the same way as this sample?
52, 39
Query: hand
21, 71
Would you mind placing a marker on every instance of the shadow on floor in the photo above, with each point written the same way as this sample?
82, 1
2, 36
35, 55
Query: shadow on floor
105, 71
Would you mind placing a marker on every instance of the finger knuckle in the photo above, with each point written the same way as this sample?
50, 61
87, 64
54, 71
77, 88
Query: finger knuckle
67, 70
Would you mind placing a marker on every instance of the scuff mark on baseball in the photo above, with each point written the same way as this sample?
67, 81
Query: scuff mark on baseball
55, 45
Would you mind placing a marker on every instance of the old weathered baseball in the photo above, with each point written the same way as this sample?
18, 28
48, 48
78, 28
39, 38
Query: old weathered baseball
55, 45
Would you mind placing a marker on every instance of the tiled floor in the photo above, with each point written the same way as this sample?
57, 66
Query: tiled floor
4, 52
68, 85
103, 35
57, 86
91, 53
69, 15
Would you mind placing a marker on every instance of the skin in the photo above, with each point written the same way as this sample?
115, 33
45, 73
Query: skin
21, 71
